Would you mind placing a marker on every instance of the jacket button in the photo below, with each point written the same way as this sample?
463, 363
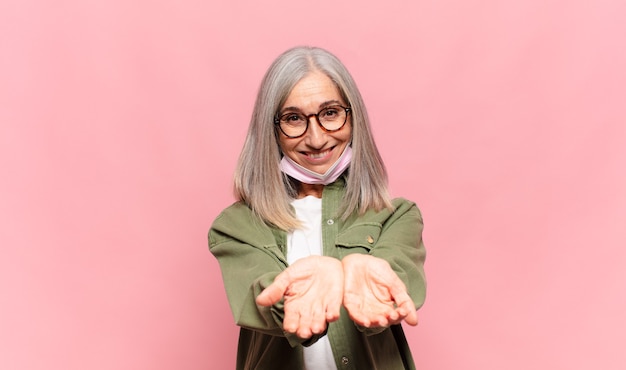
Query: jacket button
370, 239
330, 221
344, 360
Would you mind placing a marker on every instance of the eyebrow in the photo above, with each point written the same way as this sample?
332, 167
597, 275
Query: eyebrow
322, 106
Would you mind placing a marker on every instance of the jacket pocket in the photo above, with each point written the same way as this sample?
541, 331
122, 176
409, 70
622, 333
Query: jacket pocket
363, 235
276, 252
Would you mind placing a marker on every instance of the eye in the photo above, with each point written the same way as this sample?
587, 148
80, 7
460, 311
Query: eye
330, 113
292, 118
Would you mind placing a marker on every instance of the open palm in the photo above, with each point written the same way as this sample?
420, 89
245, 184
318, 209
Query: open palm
312, 289
374, 295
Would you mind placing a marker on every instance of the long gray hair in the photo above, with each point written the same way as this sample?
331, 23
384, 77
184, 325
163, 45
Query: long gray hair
259, 181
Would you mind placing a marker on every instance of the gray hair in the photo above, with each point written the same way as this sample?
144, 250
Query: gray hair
258, 179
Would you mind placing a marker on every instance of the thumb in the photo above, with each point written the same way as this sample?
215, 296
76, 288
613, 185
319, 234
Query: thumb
274, 292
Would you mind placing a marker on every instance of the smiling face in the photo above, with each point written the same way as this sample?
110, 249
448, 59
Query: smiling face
316, 150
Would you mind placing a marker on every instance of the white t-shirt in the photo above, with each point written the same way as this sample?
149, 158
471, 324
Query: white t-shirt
301, 243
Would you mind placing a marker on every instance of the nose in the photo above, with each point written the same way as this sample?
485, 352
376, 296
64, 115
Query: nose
315, 136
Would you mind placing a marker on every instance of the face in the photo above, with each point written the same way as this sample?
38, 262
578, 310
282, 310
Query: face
317, 149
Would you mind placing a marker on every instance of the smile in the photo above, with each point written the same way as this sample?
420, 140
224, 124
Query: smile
318, 155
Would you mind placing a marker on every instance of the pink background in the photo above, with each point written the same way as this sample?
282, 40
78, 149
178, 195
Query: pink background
120, 125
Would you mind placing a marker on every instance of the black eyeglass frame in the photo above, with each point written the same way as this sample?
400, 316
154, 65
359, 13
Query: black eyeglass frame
348, 110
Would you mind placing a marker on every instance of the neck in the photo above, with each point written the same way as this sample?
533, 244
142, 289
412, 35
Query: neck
310, 189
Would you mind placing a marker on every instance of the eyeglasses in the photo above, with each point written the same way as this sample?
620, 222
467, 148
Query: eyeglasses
295, 124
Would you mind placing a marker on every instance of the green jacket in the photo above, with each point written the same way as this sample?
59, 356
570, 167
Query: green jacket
251, 254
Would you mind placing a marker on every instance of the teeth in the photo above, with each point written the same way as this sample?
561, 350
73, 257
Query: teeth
318, 155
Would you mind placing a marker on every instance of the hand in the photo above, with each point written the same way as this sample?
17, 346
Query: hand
313, 289
373, 294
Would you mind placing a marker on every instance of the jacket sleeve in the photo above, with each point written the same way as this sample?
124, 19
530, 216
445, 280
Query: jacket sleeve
396, 237
249, 259
400, 243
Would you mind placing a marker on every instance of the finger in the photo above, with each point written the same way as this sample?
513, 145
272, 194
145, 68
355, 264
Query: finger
304, 320
318, 320
304, 329
385, 316
381, 314
396, 286
305, 323
333, 308
270, 295
332, 314
274, 292
402, 299
409, 312
291, 321
411, 318
357, 315
404, 303
380, 321
393, 315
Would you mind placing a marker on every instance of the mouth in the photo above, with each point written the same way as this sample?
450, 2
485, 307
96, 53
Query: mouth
318, 155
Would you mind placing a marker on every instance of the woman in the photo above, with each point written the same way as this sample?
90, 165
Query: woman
320, 265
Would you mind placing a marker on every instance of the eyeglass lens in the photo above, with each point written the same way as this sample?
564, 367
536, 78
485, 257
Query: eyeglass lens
331, 118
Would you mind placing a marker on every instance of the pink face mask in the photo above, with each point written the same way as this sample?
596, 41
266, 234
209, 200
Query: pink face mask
291, 168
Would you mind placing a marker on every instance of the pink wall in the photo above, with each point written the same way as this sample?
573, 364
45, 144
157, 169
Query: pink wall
121, 121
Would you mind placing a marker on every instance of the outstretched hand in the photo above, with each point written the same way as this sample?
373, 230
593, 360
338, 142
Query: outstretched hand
313, 290
373, 294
